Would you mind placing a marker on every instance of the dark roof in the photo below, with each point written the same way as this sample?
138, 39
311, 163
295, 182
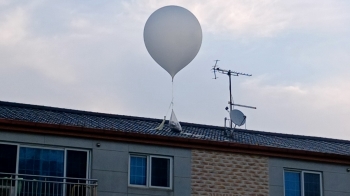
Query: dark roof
59, 116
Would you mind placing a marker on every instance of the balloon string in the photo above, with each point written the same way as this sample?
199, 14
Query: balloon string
172, 98
172, 94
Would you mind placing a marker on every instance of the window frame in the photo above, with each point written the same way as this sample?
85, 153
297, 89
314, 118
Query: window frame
302, 172
149, 171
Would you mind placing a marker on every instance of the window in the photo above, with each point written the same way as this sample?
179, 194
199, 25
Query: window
138, 170
43, 161
150, 171
302, 183
38, 161
76, 164
49, 171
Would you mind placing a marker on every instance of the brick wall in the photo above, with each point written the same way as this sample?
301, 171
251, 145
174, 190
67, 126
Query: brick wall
227, 174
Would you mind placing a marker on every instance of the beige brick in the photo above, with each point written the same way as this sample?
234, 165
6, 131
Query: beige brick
228, 174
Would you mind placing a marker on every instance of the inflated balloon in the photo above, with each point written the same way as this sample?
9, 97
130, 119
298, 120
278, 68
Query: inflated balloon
173, 37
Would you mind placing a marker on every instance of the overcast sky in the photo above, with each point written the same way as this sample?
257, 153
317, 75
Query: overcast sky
90, 55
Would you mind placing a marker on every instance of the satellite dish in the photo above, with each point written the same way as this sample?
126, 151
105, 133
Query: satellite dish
237, 117
173, 37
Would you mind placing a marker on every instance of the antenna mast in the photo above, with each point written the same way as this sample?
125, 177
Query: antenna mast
230, 73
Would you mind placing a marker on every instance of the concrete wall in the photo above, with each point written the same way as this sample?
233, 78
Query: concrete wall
195, 172
336, 179
109, 162
228, 174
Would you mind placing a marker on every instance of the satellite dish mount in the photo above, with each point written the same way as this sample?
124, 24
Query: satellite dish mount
237, 117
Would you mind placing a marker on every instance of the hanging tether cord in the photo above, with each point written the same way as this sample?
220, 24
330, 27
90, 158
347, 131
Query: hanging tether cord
172, 93
160, 127
172, 97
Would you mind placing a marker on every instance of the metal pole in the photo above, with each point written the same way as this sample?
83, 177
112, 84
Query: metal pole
229, 75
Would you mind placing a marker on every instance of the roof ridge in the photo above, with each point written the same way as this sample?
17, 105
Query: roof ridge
75, 111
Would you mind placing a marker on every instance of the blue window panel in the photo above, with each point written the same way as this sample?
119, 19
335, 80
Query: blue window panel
292, 183
42, 162
312, 185
29, 153
35, 161
138, 170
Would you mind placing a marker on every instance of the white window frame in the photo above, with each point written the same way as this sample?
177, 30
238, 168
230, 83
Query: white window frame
149, 171
302, 172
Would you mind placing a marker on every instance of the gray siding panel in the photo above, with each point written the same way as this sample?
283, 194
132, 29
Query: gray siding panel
146, 191
276, 190
339, 182
103, 193
334, 193
110, 160
178, 152
182, 186
107, 145
21, 138
68, 142
182, 167
111, 181
275, 176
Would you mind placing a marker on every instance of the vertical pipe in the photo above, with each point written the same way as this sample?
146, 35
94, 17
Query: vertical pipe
229, 76
16, 184
45, 192
23, 190
79, 187
36, 188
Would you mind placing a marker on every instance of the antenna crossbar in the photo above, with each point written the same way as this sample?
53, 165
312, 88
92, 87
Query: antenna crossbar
229, 72
244, 106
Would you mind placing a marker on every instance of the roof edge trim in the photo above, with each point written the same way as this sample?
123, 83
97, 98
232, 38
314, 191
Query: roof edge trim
112, 135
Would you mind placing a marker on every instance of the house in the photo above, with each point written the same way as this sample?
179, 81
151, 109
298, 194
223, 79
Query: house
57, 152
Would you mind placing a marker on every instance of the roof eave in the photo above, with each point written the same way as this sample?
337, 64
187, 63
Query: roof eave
121, 136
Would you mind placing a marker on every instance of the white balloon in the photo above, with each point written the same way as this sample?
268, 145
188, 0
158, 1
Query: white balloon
173, 37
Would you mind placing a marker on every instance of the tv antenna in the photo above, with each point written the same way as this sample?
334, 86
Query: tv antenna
237, 117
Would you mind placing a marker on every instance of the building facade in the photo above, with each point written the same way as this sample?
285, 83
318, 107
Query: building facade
53, 151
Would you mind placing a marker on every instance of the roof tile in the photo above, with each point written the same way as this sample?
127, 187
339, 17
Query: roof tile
59, 116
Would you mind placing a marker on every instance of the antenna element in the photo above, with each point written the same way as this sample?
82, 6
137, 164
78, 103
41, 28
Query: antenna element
236, 116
